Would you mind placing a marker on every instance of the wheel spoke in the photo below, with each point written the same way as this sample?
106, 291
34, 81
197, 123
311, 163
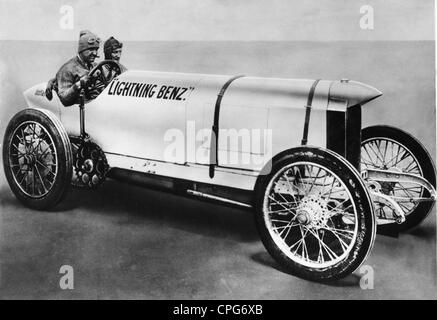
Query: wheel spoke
376, 154
288, 182
367, 164
295, 185
50, 170
412, 189
378, 149
369, 157
22, 179
408, 167
305, 254
286, 201
330, 189
24, 138
279, 203
296, 243
18, 149
404, 206
42, 181
328, 250
285, 228
385, 149
341, 231
301, 242
406, 192
277, 211
33, 181
343, 244
288, 231
45, 152
323, 245
281, 221
405, 154
315, 178
414, 170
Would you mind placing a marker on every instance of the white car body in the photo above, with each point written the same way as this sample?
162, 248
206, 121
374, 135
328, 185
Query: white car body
131, 130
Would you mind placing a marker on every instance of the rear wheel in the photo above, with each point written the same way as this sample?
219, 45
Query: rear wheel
314, 214
389, 148
37, 158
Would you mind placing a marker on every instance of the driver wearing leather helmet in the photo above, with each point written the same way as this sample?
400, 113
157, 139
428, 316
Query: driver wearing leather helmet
72, 77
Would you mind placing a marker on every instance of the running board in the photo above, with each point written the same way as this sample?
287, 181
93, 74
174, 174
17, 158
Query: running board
217, 198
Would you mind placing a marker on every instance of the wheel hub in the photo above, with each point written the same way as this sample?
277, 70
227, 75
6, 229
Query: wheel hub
313, 212
303, 217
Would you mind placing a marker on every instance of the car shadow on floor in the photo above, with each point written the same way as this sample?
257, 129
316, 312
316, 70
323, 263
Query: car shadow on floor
423, 231
137, 205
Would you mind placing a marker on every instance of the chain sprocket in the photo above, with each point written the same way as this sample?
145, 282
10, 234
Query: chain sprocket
90, 164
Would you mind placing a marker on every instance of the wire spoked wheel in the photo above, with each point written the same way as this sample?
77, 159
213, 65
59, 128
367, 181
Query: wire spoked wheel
388, 148
33, 159
311, 215
314, 216
35, 153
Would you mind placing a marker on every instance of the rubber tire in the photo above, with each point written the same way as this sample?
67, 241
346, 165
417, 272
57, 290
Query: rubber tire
59, 136
366, 224
425, 161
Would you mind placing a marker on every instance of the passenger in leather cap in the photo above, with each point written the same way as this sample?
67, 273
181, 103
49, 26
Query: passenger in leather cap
112, 49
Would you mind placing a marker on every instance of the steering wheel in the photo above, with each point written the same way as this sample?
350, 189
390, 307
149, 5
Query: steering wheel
101, 75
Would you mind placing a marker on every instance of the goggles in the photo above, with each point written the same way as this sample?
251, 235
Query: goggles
94, 40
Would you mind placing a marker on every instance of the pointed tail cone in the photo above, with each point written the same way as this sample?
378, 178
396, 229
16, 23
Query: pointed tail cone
354, 92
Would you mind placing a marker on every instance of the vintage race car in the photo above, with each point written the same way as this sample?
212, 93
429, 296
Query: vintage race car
291, 150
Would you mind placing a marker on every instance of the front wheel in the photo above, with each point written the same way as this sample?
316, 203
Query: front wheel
314, 214
37, 158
